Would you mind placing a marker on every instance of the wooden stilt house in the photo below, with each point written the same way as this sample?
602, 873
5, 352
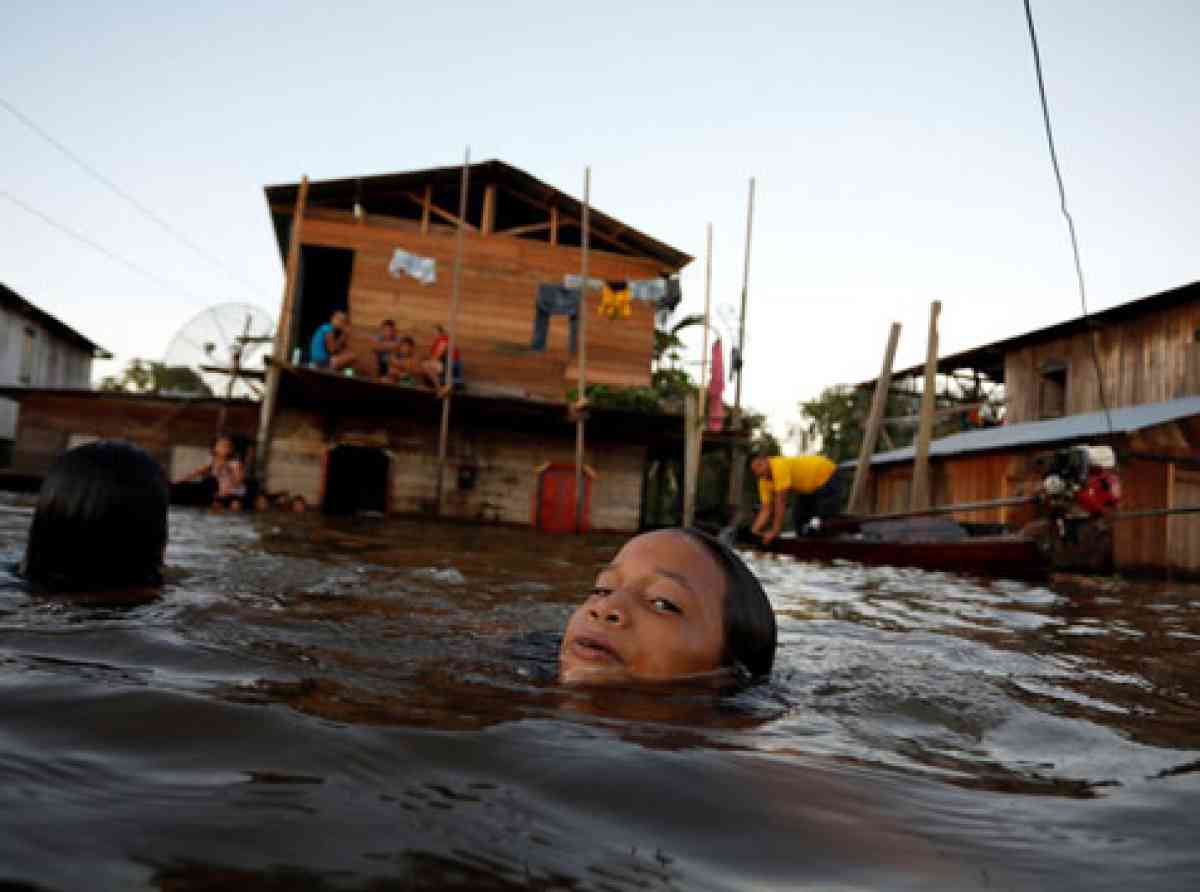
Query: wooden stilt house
383, 247
1128, 377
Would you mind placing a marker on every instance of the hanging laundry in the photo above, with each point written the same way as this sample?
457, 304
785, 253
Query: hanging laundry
571, 280
614, 301
555, 300
716, 388
423, 269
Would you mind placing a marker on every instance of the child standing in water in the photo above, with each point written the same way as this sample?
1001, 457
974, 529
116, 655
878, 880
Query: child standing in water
227, 475
673, 605
100, 521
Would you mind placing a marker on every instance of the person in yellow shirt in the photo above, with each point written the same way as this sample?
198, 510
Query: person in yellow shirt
818, 486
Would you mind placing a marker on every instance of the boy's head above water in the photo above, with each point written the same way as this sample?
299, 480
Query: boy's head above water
672, 604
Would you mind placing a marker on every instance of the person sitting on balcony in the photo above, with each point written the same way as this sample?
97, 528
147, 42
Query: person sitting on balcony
434, 368
330, 347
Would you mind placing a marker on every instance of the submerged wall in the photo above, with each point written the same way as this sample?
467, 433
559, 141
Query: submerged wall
504, 465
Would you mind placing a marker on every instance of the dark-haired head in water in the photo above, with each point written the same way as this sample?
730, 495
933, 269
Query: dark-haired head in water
100, 522
673, 604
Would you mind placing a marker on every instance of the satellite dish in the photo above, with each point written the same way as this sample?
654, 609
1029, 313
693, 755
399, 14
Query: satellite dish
225, 347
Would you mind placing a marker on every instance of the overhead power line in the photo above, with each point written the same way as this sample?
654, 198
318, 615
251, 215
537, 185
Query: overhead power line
121, 193
1062, 200
96, 246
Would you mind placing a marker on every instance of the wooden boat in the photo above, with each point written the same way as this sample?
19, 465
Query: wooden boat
1008, 556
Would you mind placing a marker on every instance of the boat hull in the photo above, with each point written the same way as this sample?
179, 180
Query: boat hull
1012, 557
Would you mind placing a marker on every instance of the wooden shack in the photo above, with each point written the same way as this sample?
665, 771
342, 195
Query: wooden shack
1148, 354
383, 247
177, 431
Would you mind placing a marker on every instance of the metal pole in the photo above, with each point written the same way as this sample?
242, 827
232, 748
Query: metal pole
583, 315
448, 363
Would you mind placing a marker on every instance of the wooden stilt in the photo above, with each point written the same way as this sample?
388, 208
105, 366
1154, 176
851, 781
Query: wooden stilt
919, 495
694, 437
737, 469
448, 363
878, 403
284, 328
691, 453
583, 317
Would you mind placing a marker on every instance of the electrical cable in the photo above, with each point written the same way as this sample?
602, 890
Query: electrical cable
121, 193
1062, 197
96, 246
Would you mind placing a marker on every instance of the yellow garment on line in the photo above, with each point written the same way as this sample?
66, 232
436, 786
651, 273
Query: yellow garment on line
801, 473
614, 304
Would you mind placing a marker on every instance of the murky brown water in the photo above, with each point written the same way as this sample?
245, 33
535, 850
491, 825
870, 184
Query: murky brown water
370, 704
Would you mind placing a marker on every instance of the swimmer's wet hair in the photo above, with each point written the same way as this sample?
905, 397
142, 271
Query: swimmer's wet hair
749, 621
100, 522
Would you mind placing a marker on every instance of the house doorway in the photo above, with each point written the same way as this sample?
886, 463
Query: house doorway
323, 287
356, 480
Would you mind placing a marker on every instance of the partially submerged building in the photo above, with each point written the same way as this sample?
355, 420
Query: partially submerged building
383, 247
176, 430
1148, 356
37, 350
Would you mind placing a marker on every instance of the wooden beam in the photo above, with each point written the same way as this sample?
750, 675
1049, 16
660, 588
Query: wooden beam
878, 402
523, 230
426, 204
612, 239
281, 352
583, 317
919, 496
448, 360
487, 222
554, 226
438, 212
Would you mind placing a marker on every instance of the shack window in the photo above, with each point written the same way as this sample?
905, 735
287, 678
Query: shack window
28, 342
1052, 391
323, 287
356, 479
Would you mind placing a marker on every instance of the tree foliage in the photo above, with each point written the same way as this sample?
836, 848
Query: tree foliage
836, 419
147, 376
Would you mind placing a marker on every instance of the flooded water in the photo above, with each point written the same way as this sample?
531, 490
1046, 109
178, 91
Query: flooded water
371, 704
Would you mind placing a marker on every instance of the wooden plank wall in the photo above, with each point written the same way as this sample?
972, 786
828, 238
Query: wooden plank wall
1145, 360
499, 278
47, 422
1142, 544
505, 462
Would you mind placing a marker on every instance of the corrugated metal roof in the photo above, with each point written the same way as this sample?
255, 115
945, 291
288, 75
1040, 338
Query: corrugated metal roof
1073, 427
14, 301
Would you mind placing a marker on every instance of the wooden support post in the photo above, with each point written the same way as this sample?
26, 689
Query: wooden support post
693, 441
691, 454
583, 317
878, 403
487, 222
919, 496
448, 360
426, 204
554, 226
738, 467
281, 351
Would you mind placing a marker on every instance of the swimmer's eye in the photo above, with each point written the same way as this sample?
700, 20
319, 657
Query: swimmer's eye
662, 605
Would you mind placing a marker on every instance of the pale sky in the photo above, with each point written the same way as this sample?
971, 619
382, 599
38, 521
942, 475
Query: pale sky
898, 149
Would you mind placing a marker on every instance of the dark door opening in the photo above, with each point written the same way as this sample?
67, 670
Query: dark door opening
323, 287
356, 479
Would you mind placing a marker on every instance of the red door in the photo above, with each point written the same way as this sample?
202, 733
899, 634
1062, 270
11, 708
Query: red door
554, 505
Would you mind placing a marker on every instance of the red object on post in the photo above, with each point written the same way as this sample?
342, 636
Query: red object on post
1101, 492
554, 500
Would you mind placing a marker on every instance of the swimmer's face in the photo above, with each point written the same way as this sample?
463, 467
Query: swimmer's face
223, 448
656, 613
